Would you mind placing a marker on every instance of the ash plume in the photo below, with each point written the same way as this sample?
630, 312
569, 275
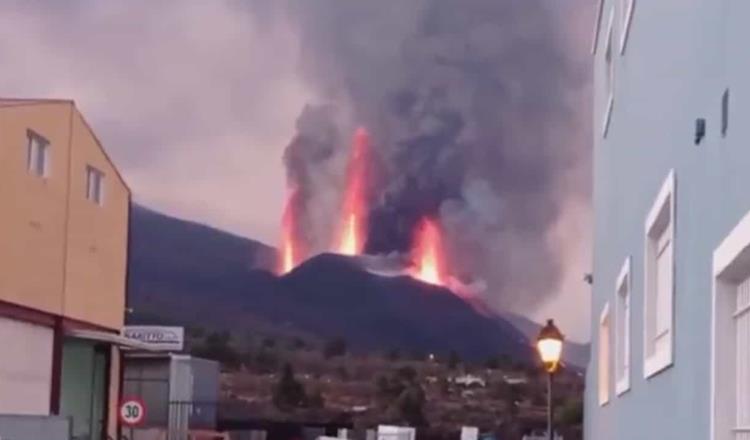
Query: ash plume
476, 113
311, 160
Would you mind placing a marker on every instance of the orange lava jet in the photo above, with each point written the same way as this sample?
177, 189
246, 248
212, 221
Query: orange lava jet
290, 254
351, 238
427, 253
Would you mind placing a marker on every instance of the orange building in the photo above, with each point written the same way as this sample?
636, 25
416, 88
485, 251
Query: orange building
63, 264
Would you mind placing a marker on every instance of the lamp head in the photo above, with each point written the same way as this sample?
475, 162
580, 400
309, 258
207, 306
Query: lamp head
549, 344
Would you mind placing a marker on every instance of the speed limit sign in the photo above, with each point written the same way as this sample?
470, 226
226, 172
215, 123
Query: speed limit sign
132, 411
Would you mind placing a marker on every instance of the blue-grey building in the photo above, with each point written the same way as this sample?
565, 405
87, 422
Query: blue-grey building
671, 276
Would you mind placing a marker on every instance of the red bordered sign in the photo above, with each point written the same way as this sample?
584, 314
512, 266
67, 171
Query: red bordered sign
132, 411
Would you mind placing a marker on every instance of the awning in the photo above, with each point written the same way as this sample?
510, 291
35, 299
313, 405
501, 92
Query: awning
109, 338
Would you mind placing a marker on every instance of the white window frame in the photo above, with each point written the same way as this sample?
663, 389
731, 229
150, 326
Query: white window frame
94, 185
731, 265
662, 356
609, 72
37, 148
623, 295
597, 26
604, 365
626, 16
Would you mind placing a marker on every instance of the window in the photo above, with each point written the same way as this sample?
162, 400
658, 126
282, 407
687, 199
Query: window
659, 281
94, 185
626, 8
730, 333
37, 154
603, 358
622, 335
609, 71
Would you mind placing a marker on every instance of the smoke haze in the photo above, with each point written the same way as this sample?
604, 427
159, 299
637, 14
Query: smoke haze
478, 112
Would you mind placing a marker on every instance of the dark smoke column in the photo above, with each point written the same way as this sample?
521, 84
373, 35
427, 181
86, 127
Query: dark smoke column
473, 108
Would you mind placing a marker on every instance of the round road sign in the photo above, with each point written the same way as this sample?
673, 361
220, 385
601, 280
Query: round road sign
132, 411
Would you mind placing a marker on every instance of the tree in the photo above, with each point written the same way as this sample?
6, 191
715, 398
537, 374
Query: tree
393, 355
265, 360
383, 387
505, 360
512, 395
343, 373
289, 393
453, 360
316, 400
297, 344
492, 363
571, 413
218, 347
410, 405
196, 331
402, 395
407, 374
444, 386
335, 347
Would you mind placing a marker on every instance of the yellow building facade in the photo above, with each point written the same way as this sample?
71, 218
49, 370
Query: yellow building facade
63, 267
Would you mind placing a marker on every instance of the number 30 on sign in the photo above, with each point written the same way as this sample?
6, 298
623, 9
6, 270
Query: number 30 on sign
132, 412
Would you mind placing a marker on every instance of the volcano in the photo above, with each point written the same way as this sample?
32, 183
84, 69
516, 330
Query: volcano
185, 273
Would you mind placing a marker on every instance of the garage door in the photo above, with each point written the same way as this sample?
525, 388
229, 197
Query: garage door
26, 367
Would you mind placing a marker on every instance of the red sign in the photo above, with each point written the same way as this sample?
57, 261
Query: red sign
132, 411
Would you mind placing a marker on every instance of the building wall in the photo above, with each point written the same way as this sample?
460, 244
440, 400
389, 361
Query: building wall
680, 56
68, 254
97, 236
32, 220
61, 253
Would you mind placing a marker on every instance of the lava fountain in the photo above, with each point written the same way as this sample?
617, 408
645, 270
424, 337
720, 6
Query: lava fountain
353, 229
290, 254
428, 254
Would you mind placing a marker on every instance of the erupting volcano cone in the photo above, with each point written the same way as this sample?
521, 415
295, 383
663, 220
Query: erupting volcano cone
353, 229
427, 253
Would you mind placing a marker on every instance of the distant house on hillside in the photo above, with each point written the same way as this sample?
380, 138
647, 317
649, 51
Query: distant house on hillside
516, 379
469, 381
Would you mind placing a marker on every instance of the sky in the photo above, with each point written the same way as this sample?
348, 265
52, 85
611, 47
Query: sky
196, 101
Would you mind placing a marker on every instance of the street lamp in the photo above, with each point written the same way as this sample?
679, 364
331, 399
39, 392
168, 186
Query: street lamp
549, 343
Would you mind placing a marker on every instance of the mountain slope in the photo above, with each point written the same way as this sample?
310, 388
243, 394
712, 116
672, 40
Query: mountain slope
194, 275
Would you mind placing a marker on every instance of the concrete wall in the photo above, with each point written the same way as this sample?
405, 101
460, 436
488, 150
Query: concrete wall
680, 57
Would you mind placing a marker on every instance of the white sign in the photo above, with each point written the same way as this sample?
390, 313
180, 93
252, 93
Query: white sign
159, 337
132, 412
386, 432
469, 433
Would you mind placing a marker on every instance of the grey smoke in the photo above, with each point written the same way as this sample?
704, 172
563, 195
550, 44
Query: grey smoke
474, 108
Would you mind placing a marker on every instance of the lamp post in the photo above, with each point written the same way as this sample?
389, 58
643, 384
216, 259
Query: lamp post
549, 343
